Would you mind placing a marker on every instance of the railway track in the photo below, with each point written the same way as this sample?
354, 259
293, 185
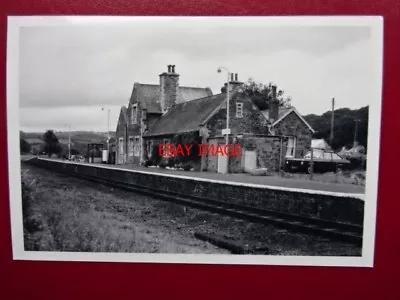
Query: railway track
334, 230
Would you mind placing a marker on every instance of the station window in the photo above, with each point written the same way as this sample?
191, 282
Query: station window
136, 146
149, 148
291, 147
239, 110
121, 145
130, 146
166, 142
134, 114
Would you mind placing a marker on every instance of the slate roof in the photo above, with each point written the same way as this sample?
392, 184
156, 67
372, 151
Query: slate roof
282, 111
187, 116
287, 112
149, 95
124, 114
191, 93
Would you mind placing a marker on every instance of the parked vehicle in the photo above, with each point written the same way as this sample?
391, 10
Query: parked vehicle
323, 161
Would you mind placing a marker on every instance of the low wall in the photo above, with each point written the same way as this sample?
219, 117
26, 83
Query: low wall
318, 204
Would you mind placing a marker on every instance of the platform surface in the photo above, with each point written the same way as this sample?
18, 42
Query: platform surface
275, 181
261, 180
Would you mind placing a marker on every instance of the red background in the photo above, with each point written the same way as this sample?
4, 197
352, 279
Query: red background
59, 280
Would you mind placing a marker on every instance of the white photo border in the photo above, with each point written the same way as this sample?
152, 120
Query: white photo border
14, 166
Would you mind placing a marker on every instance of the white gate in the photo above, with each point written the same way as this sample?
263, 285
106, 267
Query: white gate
250, 160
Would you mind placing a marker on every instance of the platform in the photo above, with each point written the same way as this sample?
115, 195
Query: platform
249, 180
321, 204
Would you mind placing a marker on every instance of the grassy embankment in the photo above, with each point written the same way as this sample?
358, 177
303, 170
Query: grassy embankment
64, 214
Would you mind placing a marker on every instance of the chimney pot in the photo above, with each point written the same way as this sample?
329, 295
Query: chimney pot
231, 76
273, 110
236, 77
169, 86
274, 92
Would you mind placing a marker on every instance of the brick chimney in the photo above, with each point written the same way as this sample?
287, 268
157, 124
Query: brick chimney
233, 83
273, 110
169, 85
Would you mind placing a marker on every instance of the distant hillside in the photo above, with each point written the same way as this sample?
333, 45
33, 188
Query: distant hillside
344, 126
79, 139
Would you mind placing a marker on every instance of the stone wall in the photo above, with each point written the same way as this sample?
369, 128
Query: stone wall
252, 121
120, 133
211, 161
169, 85
186, 138
292, 125
268, 150
324, 205
126, 130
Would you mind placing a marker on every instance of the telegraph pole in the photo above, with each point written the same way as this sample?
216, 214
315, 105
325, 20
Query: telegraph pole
108, 132
69, 142
332, 119
355, 133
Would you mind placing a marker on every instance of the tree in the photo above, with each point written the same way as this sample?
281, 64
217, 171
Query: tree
344, 126
25, 147
261, 94
51, 144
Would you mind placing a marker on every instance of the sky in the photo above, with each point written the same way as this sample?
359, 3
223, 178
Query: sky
68, 72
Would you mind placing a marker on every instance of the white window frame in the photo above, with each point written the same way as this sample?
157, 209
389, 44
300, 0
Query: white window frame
121, 146
136, 146
166, 141
134, 114
239, 109
130, 145
291, 150
149, 146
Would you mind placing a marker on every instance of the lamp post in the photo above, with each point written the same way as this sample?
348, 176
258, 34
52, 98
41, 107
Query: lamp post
108, 130
332, 120
227, 129
355, 133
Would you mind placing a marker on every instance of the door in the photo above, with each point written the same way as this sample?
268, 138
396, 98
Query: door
222, 164
121, 152
250, 160
291, 147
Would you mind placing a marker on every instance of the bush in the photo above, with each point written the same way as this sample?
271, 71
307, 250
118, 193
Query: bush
186, 166
25, 147
148, 163
162, 165
171, 163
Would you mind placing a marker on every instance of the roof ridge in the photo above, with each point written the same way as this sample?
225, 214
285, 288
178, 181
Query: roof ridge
192, 87
183, 86
202, 98
151, 84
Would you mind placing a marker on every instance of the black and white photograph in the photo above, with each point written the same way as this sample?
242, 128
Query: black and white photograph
216, 140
